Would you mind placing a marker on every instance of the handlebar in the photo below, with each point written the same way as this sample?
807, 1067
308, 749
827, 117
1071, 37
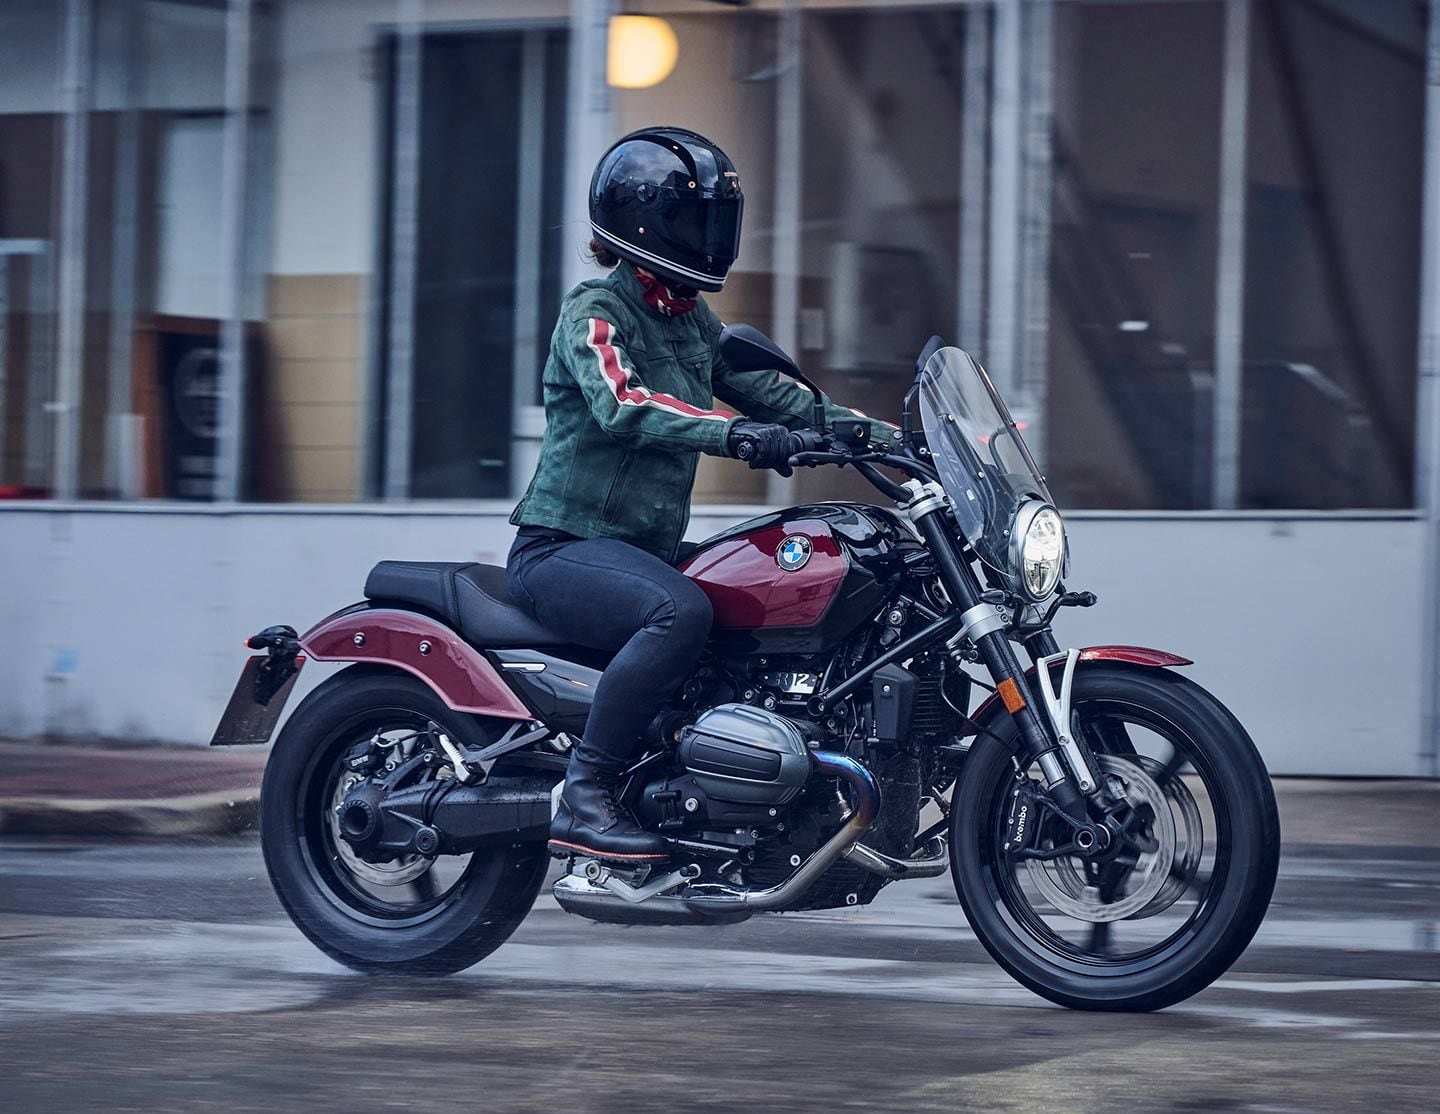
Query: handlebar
848, 442
809, 448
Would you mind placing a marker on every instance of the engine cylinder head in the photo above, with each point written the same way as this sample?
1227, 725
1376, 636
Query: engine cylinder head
739, 753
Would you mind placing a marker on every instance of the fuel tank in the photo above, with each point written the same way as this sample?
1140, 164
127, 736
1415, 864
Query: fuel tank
797, 581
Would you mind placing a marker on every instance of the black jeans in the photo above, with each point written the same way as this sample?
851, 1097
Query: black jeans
609, 595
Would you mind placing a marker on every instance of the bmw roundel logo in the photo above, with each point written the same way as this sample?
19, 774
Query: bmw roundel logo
793, 553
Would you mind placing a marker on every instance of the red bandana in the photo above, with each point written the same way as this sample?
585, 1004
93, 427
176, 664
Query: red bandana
659, 296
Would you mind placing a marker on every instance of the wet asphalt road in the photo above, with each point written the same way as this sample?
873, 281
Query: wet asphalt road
164, 977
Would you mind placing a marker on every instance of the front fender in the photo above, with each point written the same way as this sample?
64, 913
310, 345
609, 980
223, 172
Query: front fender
428, 649
1130, 655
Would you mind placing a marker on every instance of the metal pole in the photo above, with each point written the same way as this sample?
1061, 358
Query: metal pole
4, 353
1427, 445
785, 264
121, 474
40, 365
229, 456
529, 242
1037, 125
970, 323
1002, 331
589, 125
75, 97
1230, 264
405, 191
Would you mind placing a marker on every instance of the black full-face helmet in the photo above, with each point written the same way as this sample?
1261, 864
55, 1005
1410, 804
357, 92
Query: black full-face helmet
669, 201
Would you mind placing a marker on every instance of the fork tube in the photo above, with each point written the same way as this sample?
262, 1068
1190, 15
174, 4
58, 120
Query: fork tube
1042, 644
995, 650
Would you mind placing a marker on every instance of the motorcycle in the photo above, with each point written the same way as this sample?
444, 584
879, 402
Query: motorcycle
861, 716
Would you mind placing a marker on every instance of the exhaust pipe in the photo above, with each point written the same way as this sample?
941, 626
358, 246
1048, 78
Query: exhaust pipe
933, 861
713, 898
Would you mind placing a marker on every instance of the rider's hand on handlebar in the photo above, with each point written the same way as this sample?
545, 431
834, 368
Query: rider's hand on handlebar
761, 446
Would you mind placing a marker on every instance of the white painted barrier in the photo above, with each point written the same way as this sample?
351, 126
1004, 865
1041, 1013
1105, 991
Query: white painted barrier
127, 620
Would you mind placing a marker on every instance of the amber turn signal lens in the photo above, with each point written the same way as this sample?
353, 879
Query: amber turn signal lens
1010, 693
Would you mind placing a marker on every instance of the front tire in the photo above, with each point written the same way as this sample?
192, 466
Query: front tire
409, 917
1057, 941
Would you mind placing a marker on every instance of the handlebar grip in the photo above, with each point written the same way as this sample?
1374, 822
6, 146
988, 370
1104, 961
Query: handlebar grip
806, 441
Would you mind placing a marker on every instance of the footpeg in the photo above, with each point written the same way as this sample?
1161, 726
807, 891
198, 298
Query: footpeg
636, 894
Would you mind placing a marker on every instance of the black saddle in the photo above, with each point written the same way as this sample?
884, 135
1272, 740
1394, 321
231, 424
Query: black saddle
470, 597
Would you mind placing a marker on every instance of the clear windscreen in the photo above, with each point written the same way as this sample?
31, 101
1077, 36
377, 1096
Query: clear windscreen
979, 452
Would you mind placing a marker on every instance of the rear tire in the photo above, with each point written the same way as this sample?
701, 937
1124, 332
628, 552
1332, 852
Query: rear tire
449, 932
1226, 913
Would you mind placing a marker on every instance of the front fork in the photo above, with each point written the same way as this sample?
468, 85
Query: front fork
986, 626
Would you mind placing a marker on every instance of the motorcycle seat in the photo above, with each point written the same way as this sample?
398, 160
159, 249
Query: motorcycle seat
468, 596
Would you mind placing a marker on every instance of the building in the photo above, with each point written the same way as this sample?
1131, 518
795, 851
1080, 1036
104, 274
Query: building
277, 279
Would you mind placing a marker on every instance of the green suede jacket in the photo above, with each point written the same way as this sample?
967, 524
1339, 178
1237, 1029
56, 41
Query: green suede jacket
628, 394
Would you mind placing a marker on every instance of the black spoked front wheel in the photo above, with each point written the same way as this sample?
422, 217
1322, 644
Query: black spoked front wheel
1174, 898
410, 915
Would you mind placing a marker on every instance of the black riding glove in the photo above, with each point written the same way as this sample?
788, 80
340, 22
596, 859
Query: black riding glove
761, 446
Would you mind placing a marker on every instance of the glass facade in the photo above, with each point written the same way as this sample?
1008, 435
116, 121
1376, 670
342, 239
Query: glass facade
1184, 235
112, 135
30, 138
1336, 142
1134, 229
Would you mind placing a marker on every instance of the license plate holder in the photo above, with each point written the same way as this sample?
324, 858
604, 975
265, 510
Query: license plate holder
258, 700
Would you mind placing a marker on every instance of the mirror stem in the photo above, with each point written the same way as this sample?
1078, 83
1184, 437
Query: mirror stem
905, 422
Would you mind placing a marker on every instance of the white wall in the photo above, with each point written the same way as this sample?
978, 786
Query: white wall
128, 621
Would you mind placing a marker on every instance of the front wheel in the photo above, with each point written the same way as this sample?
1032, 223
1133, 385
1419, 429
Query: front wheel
1174, 899
412, 915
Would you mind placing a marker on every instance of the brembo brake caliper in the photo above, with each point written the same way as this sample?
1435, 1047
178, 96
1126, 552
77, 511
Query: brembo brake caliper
1021, 823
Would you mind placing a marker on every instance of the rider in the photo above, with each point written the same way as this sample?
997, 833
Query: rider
629, 388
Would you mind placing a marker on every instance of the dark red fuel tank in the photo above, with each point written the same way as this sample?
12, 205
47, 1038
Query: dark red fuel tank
798, 580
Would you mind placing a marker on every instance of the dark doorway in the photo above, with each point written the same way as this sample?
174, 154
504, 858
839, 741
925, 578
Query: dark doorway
477, 132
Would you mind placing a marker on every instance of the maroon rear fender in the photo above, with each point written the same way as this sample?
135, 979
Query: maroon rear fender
1130, 655
457, 672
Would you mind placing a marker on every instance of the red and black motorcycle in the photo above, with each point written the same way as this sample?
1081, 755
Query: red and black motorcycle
1110, 828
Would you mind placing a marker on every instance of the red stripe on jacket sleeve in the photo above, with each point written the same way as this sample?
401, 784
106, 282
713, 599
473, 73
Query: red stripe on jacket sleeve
626, 391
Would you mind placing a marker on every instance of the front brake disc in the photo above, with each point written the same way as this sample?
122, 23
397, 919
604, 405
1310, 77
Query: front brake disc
1190, 840
1063, 883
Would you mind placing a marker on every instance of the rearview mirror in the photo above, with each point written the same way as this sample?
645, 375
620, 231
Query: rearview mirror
746, 348
933, 345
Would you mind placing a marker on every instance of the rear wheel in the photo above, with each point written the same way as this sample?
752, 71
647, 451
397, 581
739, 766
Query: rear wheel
1176, 900
410, 916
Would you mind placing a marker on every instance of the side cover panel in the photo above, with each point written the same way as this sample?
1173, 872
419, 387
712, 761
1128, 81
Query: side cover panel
457, 672
560, 691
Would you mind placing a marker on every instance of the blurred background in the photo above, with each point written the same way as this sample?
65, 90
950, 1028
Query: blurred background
277, 279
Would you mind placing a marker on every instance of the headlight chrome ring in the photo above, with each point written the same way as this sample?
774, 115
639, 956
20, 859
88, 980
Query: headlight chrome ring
1037, 549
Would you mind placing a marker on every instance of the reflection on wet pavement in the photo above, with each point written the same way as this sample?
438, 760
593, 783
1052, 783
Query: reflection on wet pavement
120, 937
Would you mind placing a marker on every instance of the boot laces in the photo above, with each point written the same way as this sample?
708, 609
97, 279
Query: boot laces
607, 802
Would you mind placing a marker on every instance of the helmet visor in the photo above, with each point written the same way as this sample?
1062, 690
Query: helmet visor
701, 224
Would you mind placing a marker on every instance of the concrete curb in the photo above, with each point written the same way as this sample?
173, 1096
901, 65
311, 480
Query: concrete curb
202, 814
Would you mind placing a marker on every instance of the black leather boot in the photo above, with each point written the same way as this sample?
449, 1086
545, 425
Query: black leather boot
590, 820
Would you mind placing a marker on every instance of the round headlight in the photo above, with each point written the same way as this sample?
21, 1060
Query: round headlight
1038, 549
